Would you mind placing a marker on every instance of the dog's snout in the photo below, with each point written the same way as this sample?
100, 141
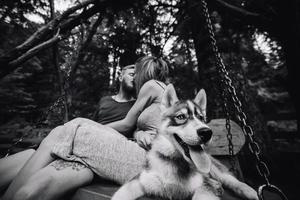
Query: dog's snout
205, 134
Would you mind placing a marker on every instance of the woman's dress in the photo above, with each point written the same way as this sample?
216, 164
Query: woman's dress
102, 149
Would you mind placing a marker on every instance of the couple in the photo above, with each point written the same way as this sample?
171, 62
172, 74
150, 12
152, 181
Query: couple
70, 155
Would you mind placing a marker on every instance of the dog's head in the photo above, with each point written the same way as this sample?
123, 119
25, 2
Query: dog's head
183, 124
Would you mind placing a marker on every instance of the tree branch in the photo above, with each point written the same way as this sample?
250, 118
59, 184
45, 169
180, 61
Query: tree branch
10, 61
76, 20
237, 9
40, 34
53, 23
36, 42
33, 51
55, 51
84, 46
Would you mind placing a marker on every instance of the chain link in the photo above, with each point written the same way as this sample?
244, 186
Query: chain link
50, 109
229, 134
227, 85
13, 145
58, 102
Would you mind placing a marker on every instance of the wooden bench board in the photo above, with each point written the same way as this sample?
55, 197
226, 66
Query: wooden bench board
219, 143
103, 190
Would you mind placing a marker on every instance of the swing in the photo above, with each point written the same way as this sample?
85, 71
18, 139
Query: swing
223, 146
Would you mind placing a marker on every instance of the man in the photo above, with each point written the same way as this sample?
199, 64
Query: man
114, 108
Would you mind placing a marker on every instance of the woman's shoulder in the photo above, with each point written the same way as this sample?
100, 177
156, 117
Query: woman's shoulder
154, 84
153, 89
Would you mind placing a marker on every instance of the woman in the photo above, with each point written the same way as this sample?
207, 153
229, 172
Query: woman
89, 147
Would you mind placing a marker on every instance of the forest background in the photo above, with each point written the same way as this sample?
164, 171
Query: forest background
59, 57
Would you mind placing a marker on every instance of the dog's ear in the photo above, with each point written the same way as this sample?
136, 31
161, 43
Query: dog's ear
169, 97
200, 100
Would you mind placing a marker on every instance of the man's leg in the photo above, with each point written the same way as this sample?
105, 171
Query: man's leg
11, 165
55, 180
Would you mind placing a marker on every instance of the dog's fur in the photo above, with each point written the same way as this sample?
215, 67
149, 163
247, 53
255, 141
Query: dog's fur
177, 166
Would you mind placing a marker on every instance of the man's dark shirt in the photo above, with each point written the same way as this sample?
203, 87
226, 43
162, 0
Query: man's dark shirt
111, 110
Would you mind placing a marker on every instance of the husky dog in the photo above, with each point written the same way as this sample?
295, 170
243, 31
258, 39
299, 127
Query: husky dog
177, 166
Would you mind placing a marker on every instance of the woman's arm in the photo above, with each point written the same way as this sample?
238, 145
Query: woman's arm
148, 93
145, 138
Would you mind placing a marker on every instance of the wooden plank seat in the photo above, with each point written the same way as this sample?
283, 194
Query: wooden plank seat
103, 190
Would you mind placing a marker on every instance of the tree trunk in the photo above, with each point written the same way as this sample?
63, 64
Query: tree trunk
201, 42
60, 76
80, 54
289, 34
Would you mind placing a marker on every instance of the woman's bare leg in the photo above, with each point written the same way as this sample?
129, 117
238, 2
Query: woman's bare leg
41, 158
11, 165
54, 180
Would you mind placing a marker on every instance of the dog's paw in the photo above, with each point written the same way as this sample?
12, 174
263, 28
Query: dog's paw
247, 192
205, 196
214, 186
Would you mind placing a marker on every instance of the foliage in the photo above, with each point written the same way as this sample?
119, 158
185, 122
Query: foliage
25, 92
15, 11
102, 36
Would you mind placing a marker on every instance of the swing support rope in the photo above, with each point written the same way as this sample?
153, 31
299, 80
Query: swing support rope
241, 116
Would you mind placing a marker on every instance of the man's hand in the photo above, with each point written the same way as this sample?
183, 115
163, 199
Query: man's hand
144, 138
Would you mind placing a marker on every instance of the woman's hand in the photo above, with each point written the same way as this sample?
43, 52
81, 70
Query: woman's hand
144, 138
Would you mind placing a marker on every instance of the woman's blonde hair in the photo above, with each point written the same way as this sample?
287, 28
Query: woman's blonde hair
150, 67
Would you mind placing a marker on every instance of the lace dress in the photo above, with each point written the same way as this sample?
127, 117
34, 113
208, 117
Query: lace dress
102, 149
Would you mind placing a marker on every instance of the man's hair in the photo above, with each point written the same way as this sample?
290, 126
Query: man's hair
127, 67
150, 67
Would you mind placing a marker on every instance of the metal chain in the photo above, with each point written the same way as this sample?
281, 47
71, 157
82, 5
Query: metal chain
261, 166
241, 116
13, 145
55, 104
229, 134
59, 101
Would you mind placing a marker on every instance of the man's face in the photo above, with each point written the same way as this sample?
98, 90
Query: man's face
127, 81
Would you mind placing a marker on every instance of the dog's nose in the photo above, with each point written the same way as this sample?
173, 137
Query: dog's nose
205, 134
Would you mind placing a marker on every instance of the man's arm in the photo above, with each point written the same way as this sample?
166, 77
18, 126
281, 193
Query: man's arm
95, 114
146, 96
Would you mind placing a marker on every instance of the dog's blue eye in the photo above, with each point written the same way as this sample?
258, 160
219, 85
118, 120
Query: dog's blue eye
181, 116
180, 119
